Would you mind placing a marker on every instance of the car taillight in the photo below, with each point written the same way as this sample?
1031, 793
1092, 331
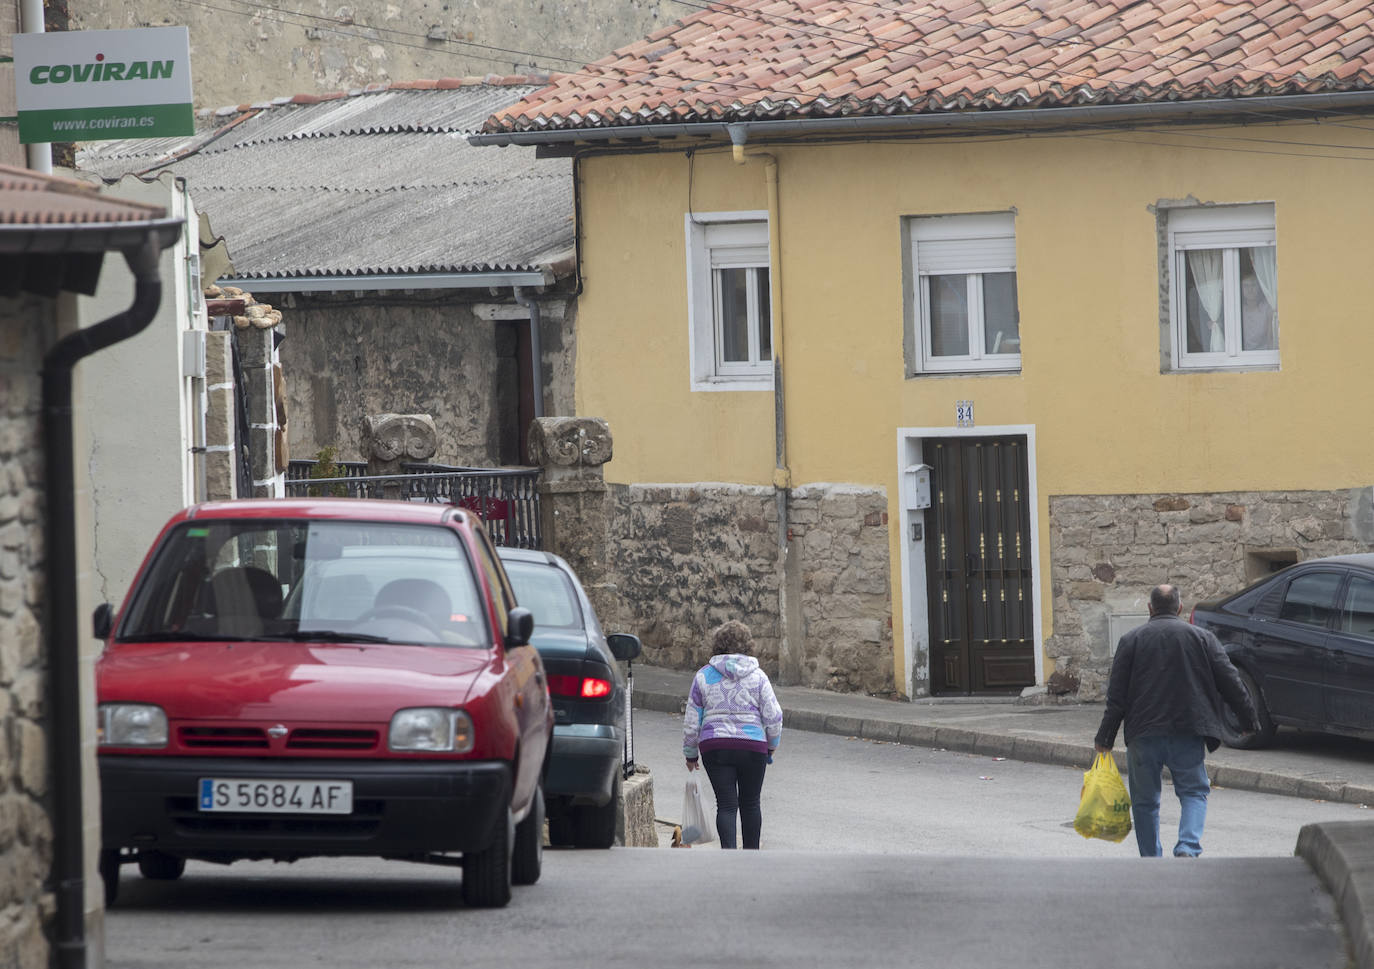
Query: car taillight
1191, 613
586, 688
593, 689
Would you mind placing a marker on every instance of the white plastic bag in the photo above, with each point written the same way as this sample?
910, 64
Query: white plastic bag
697, 826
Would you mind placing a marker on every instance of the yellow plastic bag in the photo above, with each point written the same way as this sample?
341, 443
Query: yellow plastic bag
1104, 807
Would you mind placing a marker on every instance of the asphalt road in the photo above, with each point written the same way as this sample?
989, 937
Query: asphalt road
875, 855
828, 793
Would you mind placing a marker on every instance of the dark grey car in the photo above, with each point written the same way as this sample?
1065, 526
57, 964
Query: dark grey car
1303, 640
590, 698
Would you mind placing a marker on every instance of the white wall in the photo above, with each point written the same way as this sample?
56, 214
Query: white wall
141, 409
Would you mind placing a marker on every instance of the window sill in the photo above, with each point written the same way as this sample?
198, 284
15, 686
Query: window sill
963, 373
1238, 368
712, 384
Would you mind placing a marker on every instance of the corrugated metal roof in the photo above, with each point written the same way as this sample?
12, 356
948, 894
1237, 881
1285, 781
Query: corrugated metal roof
750, 60
381, 181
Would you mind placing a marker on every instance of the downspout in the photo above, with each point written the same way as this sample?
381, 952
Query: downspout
536, 350
789, 653
63, 636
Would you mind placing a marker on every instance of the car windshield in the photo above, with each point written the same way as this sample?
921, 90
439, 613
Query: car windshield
547, 593
325, 581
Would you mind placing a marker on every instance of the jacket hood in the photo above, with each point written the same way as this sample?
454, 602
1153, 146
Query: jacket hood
733, 665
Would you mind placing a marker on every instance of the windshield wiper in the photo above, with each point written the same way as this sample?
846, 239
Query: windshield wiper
183, 636
325, 636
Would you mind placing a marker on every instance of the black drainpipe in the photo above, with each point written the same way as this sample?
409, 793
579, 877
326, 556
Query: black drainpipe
63, 636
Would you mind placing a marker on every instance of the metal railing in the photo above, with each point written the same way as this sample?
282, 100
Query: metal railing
506, 499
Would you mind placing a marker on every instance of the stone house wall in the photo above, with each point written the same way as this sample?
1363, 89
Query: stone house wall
255, 53
1108, 551
683, 558
26, 850
349, 357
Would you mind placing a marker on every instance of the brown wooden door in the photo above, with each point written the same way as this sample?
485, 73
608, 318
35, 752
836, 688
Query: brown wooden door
978, 563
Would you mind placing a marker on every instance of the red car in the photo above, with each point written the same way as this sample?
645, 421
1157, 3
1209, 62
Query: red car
313, 677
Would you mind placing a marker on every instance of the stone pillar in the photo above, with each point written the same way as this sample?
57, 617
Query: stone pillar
574, 502
221, 483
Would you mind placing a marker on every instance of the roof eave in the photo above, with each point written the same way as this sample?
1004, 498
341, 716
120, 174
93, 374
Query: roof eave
499, 279
1026, 119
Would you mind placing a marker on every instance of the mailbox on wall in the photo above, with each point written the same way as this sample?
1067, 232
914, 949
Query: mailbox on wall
916, 487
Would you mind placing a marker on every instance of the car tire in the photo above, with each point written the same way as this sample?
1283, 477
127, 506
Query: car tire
160, 866
487, 873
1233, 729
527, 861
109, 874
596, 825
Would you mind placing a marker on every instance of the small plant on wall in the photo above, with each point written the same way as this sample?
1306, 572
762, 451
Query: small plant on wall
326, 468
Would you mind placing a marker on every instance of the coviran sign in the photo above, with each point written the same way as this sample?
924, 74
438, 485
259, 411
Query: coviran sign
95, 85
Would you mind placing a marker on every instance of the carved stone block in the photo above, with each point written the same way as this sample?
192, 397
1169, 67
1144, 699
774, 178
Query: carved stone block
389, 440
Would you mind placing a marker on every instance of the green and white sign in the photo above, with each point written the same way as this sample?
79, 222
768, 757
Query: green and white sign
98, 85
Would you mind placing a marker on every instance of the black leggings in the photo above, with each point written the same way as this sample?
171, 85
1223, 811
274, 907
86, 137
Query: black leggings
737, 778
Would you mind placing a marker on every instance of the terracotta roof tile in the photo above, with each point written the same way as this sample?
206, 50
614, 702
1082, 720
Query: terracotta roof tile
749, 59
29, 198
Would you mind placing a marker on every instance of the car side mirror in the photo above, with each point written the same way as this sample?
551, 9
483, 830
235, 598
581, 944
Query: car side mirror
102, 620
624, 646
519, 627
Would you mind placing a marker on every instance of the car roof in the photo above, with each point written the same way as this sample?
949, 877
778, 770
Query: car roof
336, 509
1362, 559
509, 554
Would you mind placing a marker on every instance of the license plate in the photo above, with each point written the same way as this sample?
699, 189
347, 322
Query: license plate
276, 796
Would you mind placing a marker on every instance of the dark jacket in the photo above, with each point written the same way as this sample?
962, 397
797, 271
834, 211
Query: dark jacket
1169, 677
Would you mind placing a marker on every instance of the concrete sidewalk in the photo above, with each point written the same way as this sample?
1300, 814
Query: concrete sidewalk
1298, 765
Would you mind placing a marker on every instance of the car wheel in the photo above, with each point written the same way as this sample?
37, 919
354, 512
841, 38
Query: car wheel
528, 859
1233, 729
487, 873
596, 825
160, 866
109, 874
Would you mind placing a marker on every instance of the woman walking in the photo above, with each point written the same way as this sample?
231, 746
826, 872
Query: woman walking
733, 724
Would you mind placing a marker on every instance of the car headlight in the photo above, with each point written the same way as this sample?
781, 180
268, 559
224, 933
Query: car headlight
132, 725
431, 729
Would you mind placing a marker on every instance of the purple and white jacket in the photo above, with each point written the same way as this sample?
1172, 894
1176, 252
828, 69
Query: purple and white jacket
731, 705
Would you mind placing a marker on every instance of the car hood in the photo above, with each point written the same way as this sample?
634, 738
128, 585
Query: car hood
301, 681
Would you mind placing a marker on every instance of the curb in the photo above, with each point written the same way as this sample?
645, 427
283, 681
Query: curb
1030, 749
1342, 855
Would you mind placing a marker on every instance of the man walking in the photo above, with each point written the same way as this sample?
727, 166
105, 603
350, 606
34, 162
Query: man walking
1167, 682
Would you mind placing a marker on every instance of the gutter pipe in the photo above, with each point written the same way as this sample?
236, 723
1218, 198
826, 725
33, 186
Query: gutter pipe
536, 350
381, 281
63, 636
789, 660
970, 121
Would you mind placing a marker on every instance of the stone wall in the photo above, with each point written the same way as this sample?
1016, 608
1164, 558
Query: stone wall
685, 557
248, 53
26, 907
1108, 551
348, 357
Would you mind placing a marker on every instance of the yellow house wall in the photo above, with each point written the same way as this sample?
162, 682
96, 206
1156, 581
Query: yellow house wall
1107, 421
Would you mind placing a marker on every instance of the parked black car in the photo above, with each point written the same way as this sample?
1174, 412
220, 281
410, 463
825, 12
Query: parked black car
590, 698
1303, 640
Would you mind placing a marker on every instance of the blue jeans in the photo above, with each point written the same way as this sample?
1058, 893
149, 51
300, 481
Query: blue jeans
1184, 755
737, 779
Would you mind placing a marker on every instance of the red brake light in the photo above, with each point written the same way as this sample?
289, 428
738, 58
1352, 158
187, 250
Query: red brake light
595, 689
1191, 613
586, 689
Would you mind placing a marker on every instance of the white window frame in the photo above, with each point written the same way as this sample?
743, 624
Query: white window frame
1229, 228
961, 245
725, 240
